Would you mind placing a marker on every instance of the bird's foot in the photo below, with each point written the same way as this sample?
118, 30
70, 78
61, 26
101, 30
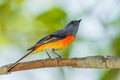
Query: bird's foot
59, 57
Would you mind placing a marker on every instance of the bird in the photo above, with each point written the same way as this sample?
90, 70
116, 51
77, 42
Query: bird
54, 41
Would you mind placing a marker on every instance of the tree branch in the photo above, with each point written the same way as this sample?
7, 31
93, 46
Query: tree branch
110, 62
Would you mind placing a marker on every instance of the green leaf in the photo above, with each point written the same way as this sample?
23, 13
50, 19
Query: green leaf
111, 75
55, 15
116, 45
51, 19
116, 22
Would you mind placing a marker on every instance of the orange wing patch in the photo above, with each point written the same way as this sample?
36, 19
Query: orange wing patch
53, 38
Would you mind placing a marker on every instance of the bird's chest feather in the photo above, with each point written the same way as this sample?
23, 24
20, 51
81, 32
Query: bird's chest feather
66, 41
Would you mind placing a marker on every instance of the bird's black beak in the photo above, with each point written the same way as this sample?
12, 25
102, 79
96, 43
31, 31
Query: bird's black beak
80, 20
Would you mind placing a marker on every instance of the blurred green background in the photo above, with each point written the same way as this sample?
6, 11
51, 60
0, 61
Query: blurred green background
24, 22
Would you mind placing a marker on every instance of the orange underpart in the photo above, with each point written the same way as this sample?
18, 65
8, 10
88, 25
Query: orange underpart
57, 45
36, 47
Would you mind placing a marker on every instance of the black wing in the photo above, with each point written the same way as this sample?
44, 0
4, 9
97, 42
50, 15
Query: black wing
58, 35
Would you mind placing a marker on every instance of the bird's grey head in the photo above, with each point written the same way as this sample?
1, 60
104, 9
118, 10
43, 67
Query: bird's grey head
73, 27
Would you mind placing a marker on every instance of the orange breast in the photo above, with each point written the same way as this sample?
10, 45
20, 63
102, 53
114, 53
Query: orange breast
57, 45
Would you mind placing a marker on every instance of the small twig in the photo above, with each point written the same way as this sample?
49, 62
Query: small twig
99, 62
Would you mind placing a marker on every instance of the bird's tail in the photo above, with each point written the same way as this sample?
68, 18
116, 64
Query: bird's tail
13, 65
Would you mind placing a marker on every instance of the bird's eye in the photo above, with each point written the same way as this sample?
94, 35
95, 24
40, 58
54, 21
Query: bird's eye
72, 22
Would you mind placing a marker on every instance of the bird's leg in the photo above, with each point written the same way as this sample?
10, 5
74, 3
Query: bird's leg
48, 54
54, 51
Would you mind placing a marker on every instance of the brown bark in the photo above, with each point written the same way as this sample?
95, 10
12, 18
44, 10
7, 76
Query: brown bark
100, 62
